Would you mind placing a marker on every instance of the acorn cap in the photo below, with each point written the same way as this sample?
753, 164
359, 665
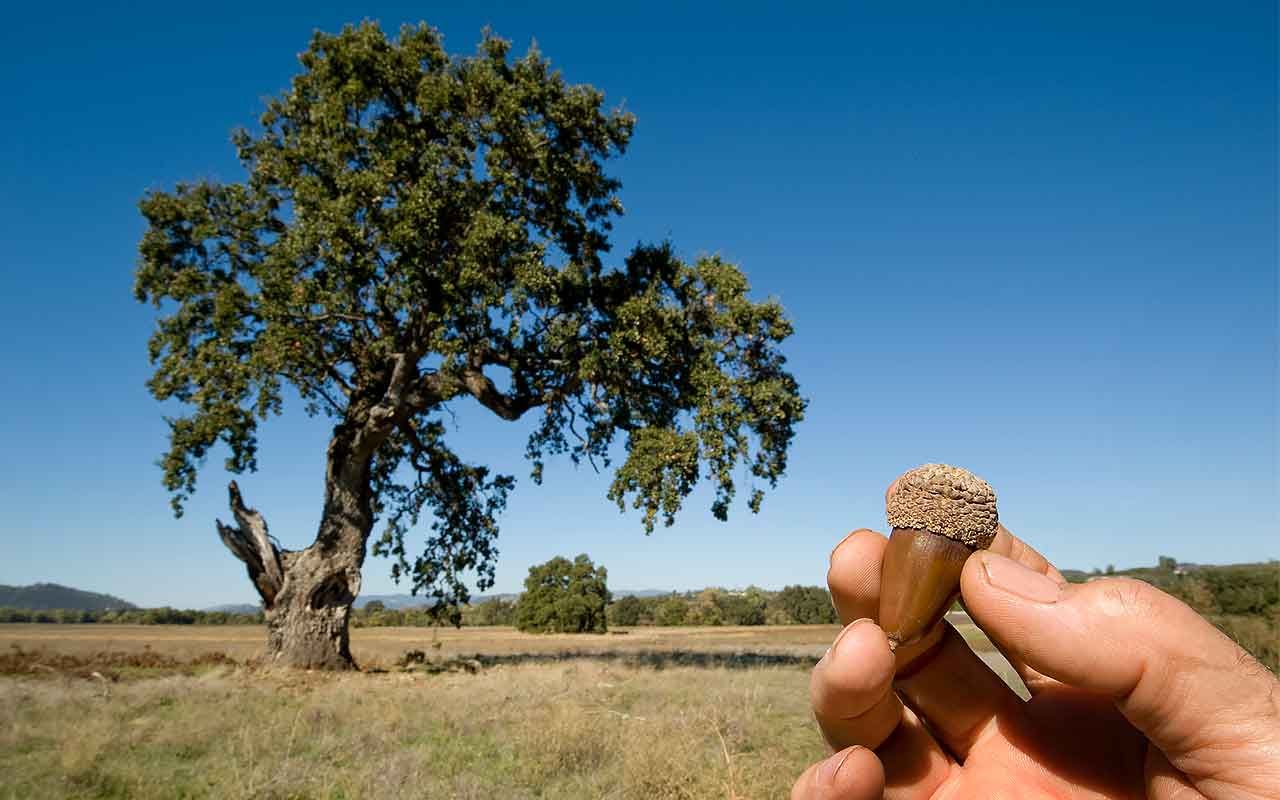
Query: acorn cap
945, 500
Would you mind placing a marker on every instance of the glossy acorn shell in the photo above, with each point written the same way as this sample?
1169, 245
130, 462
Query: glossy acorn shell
919, 580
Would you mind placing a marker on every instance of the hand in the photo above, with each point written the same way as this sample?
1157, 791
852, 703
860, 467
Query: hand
1133, 694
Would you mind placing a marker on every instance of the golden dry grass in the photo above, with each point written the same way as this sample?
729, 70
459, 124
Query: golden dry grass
382, 646
577, 728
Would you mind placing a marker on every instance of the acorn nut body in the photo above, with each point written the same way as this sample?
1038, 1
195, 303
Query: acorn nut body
939, 515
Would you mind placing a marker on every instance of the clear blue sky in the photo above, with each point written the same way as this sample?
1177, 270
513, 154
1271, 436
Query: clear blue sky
1037, 243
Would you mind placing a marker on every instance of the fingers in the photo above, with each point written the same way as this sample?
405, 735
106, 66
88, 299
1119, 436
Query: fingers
854, 575
1010, 546
851, 774
1186, 686
914, 766
942, 679
958, 694
854, 703
851, 688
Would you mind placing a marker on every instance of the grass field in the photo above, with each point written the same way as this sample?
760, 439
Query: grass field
646, 713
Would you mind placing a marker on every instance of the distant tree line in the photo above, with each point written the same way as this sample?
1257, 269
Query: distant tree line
793, 605
129, 616
1243, 600
804, 605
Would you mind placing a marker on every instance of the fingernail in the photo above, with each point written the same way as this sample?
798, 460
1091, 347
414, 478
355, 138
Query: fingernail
848, 628
842, 633
1012, 577
831, 767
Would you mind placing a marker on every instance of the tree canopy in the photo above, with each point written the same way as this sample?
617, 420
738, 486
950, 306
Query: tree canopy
417, 228
563, 596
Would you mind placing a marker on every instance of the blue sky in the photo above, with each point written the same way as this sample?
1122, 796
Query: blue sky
1037, 242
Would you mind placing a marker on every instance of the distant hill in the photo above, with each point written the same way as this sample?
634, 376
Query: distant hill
46, 596
400, 601
236, 608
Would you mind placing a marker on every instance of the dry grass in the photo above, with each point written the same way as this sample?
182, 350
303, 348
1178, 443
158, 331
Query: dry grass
383, 646
576, 728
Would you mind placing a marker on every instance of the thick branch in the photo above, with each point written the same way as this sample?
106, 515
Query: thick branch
392, 405
251, 544
508, 407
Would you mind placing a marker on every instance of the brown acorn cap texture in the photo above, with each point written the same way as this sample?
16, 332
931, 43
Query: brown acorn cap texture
948, 501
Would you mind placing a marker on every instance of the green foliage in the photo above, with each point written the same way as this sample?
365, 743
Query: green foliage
628, 611
416, 228
749, 607
563, 596
806, 605
1258, 634
491, 612
376, 615
717, 606
671, 611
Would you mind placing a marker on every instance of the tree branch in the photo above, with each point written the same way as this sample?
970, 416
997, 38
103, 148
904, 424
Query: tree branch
337, 377
251, 543
416, 445
318, 388
508, 407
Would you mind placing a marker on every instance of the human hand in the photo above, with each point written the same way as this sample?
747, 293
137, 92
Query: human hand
1133, 694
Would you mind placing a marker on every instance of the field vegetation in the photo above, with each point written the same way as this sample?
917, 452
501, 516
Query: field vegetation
1243, 600
93, 711
649, 709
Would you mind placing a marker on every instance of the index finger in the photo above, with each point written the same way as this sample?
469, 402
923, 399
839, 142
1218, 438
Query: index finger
1010, 546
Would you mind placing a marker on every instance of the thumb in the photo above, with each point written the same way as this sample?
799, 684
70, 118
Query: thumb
1191, 690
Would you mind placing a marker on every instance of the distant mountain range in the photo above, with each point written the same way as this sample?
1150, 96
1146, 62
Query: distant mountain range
46, 596
235, 608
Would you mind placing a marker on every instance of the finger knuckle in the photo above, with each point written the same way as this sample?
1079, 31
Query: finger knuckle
1125, 597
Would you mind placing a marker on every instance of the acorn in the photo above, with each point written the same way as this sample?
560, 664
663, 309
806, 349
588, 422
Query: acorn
939, 515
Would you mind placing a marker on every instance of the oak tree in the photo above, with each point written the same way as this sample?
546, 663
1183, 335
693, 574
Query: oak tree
416, 229
563, 596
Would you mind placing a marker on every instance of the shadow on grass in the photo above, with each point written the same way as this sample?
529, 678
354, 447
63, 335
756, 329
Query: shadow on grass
417, 660
104, 665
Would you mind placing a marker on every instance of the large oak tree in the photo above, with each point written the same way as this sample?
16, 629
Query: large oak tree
417, 228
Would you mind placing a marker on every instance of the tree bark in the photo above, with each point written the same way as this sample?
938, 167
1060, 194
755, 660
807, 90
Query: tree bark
307, 623
307, 594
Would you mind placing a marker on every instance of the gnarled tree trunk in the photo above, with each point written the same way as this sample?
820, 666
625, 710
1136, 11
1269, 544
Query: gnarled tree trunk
307, 594
307, 625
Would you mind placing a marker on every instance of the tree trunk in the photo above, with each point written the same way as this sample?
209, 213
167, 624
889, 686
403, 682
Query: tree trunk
307, 594
307, 623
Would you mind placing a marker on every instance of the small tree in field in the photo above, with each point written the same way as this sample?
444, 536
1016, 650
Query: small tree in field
417, 230
563, 596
